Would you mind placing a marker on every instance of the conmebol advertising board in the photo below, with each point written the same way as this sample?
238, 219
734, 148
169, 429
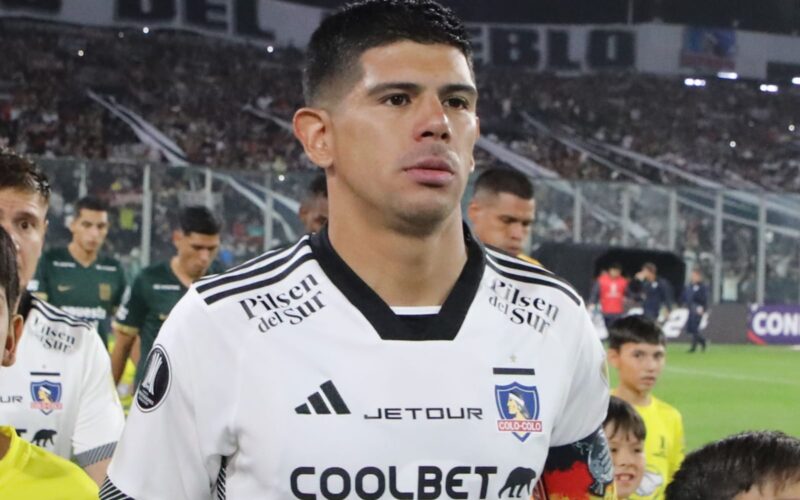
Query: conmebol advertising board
778, 325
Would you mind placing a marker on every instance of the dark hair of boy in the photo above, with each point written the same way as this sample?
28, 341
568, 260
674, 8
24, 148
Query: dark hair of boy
17, 172
90, 203
9, 276
504, 180
332, 55
199, 219
623, 417
735, 464
637, 329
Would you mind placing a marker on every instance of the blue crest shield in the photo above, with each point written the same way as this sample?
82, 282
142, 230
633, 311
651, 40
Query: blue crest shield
518, 406
46, 396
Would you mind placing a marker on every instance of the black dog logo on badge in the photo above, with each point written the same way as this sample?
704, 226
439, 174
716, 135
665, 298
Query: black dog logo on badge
156, 381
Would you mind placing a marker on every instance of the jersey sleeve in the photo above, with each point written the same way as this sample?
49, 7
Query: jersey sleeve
100, 420
587, 399
179, 428
132, 311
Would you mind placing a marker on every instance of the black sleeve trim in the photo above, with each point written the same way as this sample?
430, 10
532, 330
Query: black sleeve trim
110, 492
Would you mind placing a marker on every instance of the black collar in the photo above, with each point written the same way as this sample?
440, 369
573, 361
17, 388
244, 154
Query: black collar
389, 327
25, 304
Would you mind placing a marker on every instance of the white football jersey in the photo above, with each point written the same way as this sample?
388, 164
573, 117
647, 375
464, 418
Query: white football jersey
288, 377
59, 393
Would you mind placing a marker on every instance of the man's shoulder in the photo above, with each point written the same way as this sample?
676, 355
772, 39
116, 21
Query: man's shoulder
270, 270
57, 254
528, 276
55, 315
154, 272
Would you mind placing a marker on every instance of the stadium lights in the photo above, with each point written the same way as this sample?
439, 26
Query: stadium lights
80, 53
694, 82
121, 34
796, 80
281, 178
728, 75
145, 30
791, 127
270, 49
733, 144
766, 87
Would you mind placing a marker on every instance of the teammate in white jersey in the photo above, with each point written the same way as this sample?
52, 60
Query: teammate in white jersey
59, 394
388, 355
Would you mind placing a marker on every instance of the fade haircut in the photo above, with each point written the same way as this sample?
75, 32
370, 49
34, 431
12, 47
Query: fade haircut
20, 173
735, 464
199, 219
504, 180
332, 56
637, 329
622, 417
90, 203
9, 275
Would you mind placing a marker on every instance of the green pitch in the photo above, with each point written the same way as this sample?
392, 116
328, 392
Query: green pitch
729, 389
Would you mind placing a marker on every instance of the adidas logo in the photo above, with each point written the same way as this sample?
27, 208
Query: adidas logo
320, 406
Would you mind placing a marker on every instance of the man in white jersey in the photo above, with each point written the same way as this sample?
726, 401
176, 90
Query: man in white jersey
59, 394
376, 358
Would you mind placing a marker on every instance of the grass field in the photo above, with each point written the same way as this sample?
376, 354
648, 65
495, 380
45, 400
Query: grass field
730, 389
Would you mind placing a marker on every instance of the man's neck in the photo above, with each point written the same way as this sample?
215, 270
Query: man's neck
83, 257
632, 396
403, 270
184, 277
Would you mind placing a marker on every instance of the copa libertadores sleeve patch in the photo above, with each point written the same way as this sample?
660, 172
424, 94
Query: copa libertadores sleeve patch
155, 382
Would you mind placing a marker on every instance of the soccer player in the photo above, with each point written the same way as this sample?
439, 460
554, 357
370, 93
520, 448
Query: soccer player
157, 288
314, 208
63, 396
626, 433
754, 465
637, 349
609, 291
27, 471
651, 292
502, 210
695, 298
287, 376
77, 278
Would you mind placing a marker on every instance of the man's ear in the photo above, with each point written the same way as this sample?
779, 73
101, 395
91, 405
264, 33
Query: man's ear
613, 357
473, 211
12, 340
312, 127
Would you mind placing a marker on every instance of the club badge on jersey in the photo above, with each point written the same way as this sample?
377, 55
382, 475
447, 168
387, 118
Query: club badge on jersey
519, 409
46, 394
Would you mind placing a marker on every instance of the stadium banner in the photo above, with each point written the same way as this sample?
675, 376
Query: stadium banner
709, 49
774, 325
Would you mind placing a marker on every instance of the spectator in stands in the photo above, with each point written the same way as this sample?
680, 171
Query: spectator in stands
157, 289
760, 465
74, 401
502, 210
637, 350
27, 471
650, 292
626, 433
695, 299
609, 290
314, 207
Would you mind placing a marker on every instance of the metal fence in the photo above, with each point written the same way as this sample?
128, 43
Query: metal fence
747, 242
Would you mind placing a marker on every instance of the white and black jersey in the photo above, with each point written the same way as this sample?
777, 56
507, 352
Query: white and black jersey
59, 394
288, 377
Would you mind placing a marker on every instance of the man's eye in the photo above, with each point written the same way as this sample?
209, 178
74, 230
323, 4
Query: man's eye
397, 99
457, 102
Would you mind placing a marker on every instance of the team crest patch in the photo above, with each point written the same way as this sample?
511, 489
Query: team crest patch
105, 291
156, 381
46, 396
519, 409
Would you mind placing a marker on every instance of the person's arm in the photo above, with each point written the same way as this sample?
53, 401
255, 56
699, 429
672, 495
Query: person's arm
581, 470
124, 339
594, 296
100, 420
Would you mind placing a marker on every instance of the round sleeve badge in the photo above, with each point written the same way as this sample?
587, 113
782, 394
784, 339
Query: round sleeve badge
156, 381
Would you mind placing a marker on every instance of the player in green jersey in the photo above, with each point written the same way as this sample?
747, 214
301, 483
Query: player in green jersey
157, 289
76, 277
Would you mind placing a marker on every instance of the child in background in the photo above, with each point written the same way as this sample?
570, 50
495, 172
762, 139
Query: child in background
625, 432
637, 349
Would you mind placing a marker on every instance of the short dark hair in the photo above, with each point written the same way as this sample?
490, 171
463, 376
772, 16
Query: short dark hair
725, 468
636, 328
504, 180
18, 172
199, 219
318, 187
622, 416
90, 203
615, 265
9, 275
340, 40
650, 267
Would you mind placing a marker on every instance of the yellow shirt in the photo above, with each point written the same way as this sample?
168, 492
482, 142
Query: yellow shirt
663, 448
29, 472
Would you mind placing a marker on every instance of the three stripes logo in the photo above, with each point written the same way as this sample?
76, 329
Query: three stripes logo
321, 406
